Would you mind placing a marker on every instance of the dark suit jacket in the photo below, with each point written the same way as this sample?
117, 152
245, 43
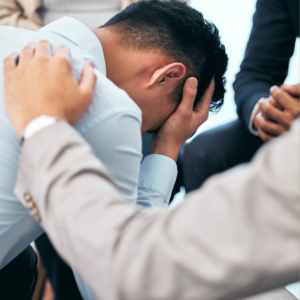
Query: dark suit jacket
269, 49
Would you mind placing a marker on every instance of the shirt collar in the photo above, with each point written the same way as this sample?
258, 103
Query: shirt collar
82, 36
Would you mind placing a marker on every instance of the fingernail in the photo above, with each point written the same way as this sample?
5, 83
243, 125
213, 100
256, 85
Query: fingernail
14, 55
91, 63
262, 100
259, 115
192, 82
31, 44
273, 88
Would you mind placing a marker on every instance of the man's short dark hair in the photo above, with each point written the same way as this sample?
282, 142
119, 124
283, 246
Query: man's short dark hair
181, 32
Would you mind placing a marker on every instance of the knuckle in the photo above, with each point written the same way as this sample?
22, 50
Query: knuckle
41, 59
63, 62
267, 109
184, 113
287, 119
295, 111
263, 106
263, 125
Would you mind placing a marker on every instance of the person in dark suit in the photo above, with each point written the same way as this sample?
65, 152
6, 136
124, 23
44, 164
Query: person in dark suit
270, 47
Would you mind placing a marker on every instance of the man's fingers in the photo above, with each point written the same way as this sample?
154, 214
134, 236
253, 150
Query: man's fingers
27, 53
189, 95
205, 101
274, 114
273, 102
268, 126
293, 90
64, 52
10, 62
43, 48
264, 136
285, 100
88, 80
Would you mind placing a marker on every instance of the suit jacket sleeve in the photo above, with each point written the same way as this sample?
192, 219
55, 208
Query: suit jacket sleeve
237, 235
267, 55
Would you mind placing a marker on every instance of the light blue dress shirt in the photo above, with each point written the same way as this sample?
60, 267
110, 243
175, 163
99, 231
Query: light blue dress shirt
111, 125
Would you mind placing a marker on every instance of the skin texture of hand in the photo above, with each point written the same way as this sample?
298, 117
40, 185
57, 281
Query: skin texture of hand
276, 114
37, 83
184, 122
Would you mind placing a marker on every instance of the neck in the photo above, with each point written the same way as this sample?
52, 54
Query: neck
115, 56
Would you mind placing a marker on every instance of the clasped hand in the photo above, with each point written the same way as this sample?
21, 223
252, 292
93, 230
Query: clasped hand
276, 114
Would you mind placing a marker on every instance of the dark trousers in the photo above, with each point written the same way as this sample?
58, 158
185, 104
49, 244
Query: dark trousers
19, 277
215, 151
58, 272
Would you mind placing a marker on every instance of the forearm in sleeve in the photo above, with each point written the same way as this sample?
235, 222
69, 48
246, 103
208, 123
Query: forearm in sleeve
269, 49
236, 236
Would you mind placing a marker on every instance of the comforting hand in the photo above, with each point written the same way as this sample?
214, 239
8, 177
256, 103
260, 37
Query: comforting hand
37, 83
276, 114
183, 122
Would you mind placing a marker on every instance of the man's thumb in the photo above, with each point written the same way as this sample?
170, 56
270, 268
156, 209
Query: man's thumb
293, 90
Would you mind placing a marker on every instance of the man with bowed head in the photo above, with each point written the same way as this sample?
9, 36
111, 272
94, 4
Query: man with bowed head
143, 77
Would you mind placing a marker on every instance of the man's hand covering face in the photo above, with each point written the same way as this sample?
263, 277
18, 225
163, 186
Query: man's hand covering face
184, 122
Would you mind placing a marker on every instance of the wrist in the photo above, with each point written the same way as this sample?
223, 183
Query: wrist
169, 150
37, 124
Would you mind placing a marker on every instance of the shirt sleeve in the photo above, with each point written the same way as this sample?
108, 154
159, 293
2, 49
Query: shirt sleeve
117, 142
17, 227
157, 178
251, 122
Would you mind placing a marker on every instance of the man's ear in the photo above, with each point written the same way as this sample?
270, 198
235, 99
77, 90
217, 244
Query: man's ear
171, 73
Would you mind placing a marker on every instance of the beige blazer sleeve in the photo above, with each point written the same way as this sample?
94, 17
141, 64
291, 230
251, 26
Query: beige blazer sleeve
20, 13
238, 235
